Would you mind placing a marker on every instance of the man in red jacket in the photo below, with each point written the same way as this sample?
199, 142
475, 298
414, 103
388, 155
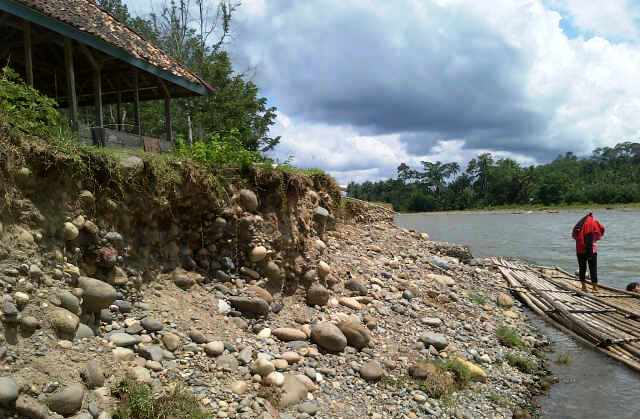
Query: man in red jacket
586, 233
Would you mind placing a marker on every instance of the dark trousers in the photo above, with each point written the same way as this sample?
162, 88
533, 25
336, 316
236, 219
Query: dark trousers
593, 267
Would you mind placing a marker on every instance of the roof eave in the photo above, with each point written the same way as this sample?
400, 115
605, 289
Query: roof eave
69, 31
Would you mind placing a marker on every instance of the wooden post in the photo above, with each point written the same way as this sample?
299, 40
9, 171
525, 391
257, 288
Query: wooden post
119, 109
97, 92
71, 82
190, 130
28, 52
168, 126
136, 103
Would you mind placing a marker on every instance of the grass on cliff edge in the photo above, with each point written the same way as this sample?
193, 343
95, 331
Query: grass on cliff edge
137, 401
30, 124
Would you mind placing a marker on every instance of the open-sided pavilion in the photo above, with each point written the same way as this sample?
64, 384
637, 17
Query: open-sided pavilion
77, 53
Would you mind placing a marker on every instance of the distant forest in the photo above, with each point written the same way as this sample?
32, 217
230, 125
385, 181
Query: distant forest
610, 175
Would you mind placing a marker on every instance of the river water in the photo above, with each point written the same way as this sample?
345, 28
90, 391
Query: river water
591, 385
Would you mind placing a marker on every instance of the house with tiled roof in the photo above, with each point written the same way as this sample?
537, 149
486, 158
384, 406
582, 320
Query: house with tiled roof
79, 54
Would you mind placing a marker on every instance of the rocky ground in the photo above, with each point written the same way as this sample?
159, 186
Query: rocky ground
373, 309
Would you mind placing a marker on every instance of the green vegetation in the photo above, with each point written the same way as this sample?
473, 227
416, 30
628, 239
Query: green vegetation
478, 298
444, 377
220, 151
508, 336
564, 358
26, 110
137, 401
196, 35
522, 363
611, 175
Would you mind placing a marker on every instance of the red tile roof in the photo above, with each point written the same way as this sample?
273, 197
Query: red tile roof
86, 16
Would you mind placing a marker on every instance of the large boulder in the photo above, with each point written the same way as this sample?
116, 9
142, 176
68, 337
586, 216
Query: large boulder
258, 254
357, 334
67, 401
64, 323
437, 340
124, 339
248, 200
328, 336
293, 391
8, 391
289, 334
250, 305
317, 295
372, 371
260, 292
93, 374
97, 294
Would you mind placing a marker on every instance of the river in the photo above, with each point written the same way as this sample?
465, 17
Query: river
591, 385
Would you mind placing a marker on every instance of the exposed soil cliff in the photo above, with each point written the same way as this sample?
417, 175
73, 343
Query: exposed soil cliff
259, 290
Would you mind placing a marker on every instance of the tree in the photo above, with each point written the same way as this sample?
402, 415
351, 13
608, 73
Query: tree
609, 175
436, 174
195, 34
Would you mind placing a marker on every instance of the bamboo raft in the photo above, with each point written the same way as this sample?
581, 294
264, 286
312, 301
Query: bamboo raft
608, 320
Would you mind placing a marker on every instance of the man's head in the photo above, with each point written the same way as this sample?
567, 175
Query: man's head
633, 287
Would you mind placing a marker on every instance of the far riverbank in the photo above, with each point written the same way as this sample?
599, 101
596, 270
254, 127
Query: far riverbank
536, 208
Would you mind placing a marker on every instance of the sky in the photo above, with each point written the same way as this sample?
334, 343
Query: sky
364, 85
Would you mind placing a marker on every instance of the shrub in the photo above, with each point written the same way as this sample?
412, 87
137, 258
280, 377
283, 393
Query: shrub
508, 337
221, 150
478, 298
522, 363
459, 370
444, 377
138, 402
25, 109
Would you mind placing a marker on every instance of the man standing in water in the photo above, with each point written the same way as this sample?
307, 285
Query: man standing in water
586, 233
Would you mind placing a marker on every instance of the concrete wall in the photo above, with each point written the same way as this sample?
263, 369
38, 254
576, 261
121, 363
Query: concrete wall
115, 138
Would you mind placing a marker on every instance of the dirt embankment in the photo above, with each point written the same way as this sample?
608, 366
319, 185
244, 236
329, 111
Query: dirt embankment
258, 290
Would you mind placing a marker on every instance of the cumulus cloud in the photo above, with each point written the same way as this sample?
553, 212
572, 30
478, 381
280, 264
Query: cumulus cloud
617, 19
365, 85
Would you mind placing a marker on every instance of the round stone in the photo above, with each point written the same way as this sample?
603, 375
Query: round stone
323, 269
288, 334
328, 336
263, 367
68, 401
275, 379
64, 322
97, 294
214, 349
8, 391
239, 387
371, 371
258, 254
151, 325
70, 232
171, 341
248, 200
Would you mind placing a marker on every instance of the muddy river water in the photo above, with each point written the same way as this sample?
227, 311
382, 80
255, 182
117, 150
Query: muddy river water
591, 385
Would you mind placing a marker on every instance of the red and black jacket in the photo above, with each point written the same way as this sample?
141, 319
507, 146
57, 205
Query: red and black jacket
586, 233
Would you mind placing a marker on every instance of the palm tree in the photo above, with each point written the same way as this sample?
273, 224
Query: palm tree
436, 174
